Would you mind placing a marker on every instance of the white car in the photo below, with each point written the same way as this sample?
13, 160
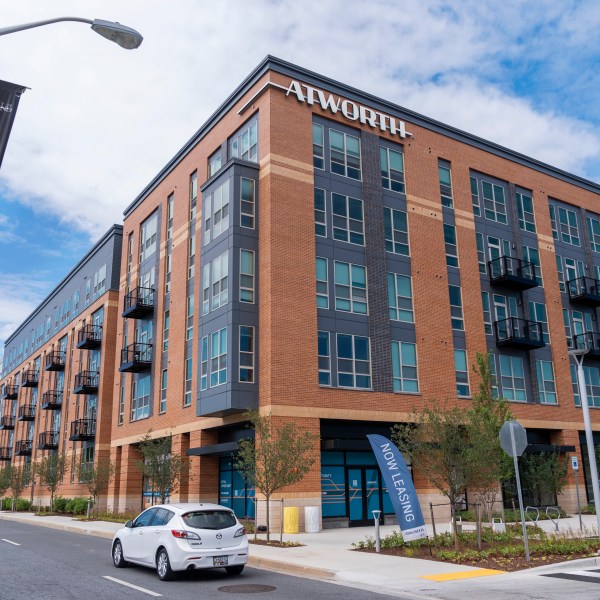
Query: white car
177, 537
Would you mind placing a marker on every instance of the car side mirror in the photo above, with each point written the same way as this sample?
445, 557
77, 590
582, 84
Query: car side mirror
129, 524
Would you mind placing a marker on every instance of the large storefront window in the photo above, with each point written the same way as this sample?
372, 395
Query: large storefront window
234, 492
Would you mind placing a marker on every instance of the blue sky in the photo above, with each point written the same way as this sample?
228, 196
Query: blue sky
100, 121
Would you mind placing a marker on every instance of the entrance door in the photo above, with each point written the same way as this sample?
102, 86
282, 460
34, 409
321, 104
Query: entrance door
364, 494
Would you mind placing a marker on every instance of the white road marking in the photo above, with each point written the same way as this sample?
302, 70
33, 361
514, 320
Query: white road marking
585, 573
9, 542
130, 585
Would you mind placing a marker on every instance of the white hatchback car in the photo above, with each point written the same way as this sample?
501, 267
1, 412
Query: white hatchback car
177, 537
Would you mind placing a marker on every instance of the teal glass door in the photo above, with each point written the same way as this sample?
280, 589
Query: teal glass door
364, 494
355, 494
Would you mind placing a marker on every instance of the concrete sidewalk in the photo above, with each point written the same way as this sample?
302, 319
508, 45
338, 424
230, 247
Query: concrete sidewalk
329, 554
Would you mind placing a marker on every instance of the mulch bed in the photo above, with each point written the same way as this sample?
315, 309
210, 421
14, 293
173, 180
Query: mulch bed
274, 543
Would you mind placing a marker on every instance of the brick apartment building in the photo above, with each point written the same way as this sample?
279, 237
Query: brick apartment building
337, 261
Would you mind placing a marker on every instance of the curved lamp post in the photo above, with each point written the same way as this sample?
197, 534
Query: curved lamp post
126, 37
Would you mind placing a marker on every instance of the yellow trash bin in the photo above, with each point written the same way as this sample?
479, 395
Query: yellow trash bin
290, 519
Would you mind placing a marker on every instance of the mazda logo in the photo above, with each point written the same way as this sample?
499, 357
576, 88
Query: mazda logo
219, 536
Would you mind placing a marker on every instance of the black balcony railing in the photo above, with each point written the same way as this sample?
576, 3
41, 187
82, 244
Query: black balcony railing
136, 358
584, 290
513, 273
55, 361
5, 453
23, 447
48, 440
86, 382
52, 400
588, 341
7, 422
30, 378
519, 333
83, 429
139, 303
89, 337
26, 412
11, 392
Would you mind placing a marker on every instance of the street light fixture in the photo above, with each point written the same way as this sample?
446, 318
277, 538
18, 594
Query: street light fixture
126, 37
578, 355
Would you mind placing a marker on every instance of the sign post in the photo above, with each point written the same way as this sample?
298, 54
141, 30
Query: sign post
575, 465
513, 439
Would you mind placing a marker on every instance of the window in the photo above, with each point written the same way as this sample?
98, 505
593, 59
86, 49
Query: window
353, 361
494, 203
318, 146
396, 231
561, 274
187, 396
404, 367
122, 405
392, 169
568, 332
170, 212
345, 154
350, 287
348, 223
450, 243
592, 385
445, 183
475, 197
564, 225
525, 212
166, 322
99, 282
322, 283
191, 254
532, 256
245, 143
140, 398
216, 212
594, 233
214, 163
487, 315
204, 364
512, 378
247, 202
246, 276
462, 373
573, 269
456, 311
324, 358
189, 331
546, 384
148, 237
168, 262
163, 391
246, 354
320, 213
215, 283
218, 357
480, 253
193, 194
537, 312
400, 298
206, 289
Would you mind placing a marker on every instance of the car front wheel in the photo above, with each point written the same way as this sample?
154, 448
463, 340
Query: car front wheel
163, 566
117, 555
234, 570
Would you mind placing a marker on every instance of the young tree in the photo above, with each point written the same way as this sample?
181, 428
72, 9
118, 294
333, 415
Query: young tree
162, 469
277, 457
4, 480
51, 470
544, 474
96, 478
18, 478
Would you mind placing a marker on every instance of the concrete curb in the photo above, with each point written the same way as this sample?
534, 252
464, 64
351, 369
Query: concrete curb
39, 522
290, 568
577, 564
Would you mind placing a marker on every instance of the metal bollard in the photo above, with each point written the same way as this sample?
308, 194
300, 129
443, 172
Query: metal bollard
376, 516
89, 506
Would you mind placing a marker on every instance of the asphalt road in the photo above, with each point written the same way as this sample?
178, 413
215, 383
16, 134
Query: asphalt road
45, 564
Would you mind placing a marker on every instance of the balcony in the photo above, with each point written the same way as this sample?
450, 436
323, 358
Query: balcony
139, 303
7, 422
23, 447
512, 273
26, 413
55, 361
52, 400
590, 342
136, 358
5, 453
89, 337
48, 440
584, 290
86, 382
11, 392
30, 378
519, 333
83, 430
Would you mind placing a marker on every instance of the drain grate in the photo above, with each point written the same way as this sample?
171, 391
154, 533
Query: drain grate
247, 588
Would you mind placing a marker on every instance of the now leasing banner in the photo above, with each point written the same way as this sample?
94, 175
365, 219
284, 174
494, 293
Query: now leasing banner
10, 95
400, 488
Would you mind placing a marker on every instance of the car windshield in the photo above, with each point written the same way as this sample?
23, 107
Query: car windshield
209, 519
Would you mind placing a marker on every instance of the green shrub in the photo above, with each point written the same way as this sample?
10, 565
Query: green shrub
78, 506
60, 504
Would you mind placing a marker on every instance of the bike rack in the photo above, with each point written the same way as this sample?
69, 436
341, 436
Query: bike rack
555, 510
532, 509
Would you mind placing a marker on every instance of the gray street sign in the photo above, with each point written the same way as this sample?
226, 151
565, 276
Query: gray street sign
513, 438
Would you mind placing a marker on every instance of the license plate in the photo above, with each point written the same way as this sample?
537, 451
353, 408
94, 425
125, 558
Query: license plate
219, 561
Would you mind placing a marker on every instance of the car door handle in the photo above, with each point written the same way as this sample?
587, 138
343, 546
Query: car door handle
157, 531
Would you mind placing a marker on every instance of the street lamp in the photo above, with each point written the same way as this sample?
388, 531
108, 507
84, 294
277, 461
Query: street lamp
578, 355
125, 36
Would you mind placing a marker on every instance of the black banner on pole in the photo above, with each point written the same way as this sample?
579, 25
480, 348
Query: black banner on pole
10, 95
